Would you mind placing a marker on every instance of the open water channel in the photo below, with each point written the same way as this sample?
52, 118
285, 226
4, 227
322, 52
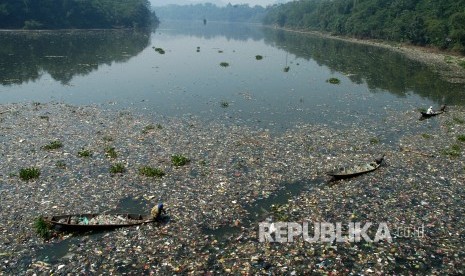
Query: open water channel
121, 69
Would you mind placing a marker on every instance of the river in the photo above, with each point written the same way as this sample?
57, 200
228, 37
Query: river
271, 79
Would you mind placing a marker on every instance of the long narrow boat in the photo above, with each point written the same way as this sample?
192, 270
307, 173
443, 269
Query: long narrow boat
426, 115
97, 222
347, 172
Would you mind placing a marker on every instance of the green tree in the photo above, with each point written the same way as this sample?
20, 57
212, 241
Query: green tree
52, 14
457, 31
421, 22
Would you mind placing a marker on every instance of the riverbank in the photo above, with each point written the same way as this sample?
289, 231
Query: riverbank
420, 185
450, 66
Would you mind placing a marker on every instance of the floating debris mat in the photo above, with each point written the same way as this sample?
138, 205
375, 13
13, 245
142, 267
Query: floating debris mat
57, 159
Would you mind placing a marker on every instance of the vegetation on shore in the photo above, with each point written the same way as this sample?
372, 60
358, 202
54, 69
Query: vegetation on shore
420, 22
43, 14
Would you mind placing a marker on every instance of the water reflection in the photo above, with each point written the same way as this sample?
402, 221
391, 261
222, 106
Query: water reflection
287, 85
379, 68
25, 56
231, 31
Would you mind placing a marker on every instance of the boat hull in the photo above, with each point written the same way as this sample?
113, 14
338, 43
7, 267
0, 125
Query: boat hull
97, 222
346, 172
425, 115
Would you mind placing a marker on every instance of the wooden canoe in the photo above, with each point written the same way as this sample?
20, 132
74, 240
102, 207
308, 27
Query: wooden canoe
425, 115
97, 222
347, 172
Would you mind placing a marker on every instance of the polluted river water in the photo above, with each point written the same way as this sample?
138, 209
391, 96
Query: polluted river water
259, 140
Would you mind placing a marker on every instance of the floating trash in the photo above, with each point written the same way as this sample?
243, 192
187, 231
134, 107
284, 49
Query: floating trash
159, 50
418, 193
334, 80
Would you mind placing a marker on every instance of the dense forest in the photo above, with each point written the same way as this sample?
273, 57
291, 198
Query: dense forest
208, 11
61, 14
420, 22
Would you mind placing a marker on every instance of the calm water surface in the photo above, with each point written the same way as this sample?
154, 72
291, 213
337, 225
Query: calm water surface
121, 69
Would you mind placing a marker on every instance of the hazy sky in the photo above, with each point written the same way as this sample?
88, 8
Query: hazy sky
217, 2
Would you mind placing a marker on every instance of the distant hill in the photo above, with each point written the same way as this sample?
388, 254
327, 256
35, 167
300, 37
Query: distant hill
211, 12
219, 3
47, 14
162, 3
420, 22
